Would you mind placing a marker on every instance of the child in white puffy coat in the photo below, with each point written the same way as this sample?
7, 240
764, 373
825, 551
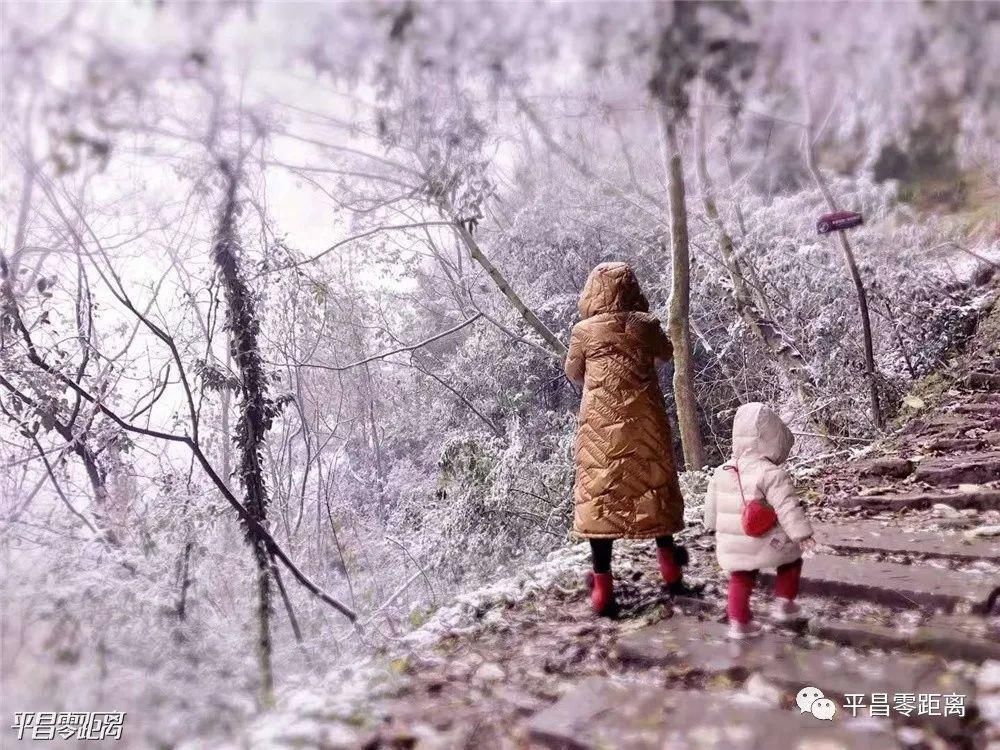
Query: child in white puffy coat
761, 443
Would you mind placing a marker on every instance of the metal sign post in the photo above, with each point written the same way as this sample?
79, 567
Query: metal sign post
839, 221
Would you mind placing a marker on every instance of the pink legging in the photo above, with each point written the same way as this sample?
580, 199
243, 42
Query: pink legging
741, 583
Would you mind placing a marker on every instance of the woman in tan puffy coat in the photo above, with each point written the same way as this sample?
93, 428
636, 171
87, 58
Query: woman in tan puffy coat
761, 443
626, 482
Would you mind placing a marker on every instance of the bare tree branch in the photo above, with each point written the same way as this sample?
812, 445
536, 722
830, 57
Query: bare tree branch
400, 350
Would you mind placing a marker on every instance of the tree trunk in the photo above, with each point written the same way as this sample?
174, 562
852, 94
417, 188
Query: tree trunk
227, 436
558, 348
185, 582
785, 354
98, 482
852, 267
23, 213
256, 412
680, 299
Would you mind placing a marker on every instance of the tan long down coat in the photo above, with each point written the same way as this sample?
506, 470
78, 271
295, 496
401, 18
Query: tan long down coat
761, 443
626, 482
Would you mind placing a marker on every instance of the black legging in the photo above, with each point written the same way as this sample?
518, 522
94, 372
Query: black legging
600, 551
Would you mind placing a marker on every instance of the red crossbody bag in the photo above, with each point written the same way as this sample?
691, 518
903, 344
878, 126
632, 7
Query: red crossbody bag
758, 516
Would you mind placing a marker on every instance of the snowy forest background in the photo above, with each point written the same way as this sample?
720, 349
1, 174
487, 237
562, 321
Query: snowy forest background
285, 288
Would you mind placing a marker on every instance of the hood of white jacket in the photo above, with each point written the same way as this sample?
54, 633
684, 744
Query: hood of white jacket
759, 431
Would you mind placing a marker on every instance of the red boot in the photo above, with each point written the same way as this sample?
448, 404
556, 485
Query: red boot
669, 568
602, 593
672, 560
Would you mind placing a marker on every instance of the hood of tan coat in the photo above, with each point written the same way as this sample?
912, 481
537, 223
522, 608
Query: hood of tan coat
611, 287
759, 431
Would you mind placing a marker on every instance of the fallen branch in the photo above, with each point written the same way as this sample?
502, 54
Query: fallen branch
558, 349
395, 595
400, 350
356, 237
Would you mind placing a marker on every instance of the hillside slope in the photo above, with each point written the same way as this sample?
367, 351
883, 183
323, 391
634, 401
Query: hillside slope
902, 600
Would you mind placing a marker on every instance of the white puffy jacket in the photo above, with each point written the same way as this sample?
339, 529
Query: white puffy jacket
761, 443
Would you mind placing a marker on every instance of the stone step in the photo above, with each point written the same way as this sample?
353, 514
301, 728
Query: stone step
966, 626
840, 673
885, 466
895, 585
987, 381
970, 468
946, 642
698, 646
943, 424
689, 646
981, 398
602, 713
873, 537
987, 409
981, 498
692, 605
954, 445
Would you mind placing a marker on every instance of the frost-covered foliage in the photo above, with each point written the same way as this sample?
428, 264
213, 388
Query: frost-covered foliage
125, 628
919, 310
420, 197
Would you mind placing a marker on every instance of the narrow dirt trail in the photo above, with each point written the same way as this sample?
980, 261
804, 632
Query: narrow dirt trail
902, 602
